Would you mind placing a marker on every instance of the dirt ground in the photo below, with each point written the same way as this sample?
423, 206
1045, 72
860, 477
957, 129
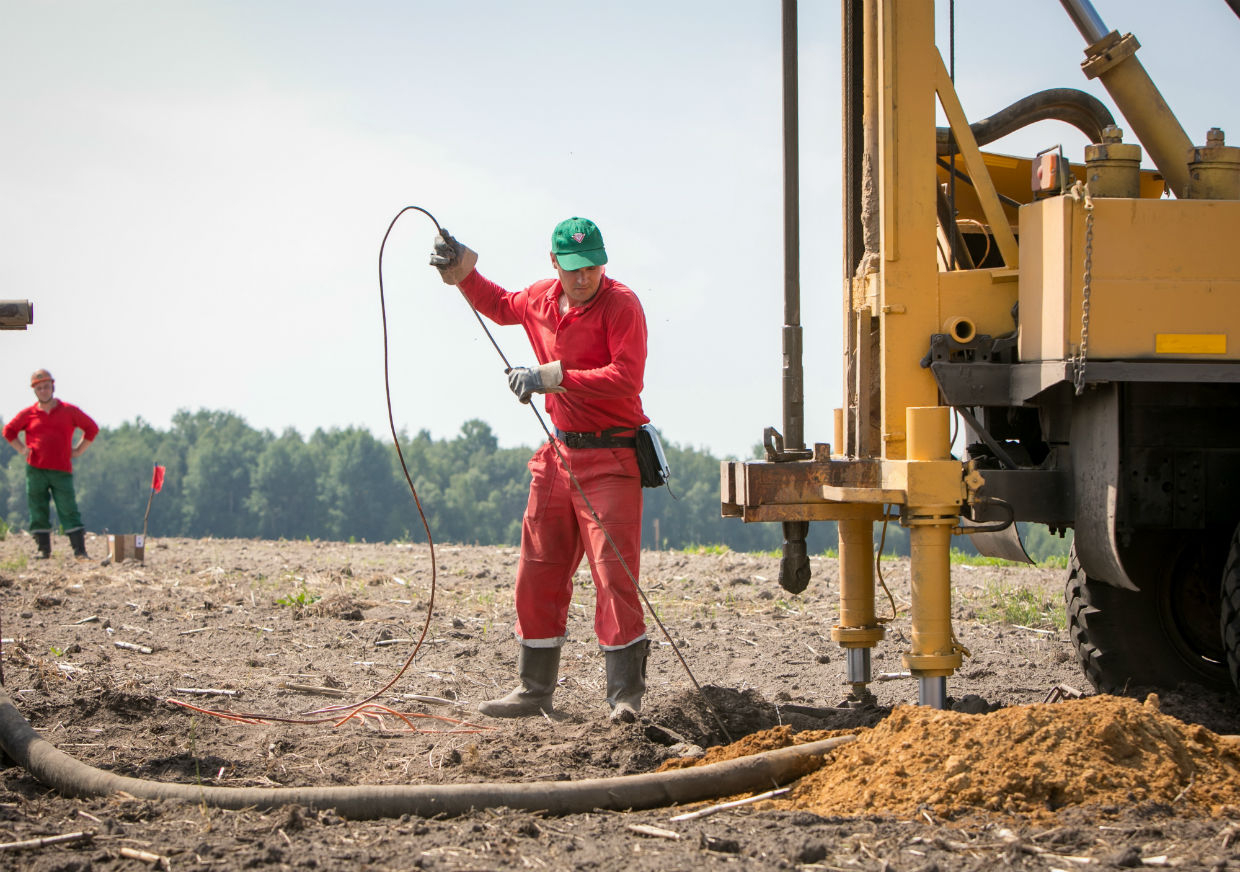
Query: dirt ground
1003, 779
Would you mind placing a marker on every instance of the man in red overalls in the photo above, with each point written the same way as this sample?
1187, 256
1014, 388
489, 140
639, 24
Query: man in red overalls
588, 333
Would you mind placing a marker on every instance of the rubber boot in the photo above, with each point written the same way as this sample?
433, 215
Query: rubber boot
538, 669
626, 680
78, 540
44, 543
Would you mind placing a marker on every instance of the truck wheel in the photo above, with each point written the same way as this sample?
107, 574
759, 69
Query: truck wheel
1153, 637
1230, 618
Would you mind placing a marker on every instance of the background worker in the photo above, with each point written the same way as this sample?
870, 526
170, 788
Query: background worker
49, 452
588, 333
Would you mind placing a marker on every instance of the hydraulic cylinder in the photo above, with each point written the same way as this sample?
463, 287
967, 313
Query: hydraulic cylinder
934, 653
858, 630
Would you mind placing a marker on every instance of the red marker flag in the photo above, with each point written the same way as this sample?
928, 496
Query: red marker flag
157, 479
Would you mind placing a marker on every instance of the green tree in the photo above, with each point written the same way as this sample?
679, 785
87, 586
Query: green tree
217, 477
113, 480
361, 488
285, 501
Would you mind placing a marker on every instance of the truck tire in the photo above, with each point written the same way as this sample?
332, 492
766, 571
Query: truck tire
1127, 639
1230, 617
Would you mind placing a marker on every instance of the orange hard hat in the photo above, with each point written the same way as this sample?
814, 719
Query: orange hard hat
40, 375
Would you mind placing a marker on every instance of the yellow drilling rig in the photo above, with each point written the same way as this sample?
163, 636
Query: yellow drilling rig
1079, 319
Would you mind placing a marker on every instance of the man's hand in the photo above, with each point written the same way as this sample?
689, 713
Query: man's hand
527, 380
454, 260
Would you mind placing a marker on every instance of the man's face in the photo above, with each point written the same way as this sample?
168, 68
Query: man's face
44, 390
580, 285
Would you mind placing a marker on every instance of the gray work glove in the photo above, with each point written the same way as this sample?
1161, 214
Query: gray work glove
454, 260
527, 380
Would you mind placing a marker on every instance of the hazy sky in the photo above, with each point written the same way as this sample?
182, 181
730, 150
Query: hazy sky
194, 193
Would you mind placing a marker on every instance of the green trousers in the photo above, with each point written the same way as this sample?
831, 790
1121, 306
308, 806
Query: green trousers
45, 485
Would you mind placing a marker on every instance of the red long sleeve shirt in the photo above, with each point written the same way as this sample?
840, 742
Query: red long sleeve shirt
50, 434
600, 345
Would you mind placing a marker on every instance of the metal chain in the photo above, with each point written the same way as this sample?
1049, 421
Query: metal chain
1078, 361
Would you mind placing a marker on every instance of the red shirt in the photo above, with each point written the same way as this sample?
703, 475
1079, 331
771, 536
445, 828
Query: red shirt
50, 434
600, 345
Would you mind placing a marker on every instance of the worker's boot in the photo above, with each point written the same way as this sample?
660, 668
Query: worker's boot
44, 543
78, 540
538, 669
626, 680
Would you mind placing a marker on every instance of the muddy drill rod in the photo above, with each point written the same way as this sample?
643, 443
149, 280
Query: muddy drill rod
794, 569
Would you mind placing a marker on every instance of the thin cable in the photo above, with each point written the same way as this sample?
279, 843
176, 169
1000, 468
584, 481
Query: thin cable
430, 606
404, 468
878, 567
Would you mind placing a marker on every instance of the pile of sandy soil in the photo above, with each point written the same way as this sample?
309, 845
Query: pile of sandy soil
1028, 760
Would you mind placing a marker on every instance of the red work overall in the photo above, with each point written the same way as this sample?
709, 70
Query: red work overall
558, 528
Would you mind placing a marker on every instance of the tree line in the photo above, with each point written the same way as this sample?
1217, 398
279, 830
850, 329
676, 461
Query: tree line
226, 479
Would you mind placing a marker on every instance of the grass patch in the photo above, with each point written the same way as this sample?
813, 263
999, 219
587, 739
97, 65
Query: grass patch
959, 557
1020, 607
706, 549
299, 599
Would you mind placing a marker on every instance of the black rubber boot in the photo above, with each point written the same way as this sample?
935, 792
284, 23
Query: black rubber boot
78, 540
538, 669
44, 543
626, 680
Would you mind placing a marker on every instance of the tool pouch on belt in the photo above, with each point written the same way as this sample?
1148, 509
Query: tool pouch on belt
651, 461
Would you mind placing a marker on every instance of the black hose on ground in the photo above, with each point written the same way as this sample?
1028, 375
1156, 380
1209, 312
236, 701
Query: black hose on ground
66, 775
1083, 111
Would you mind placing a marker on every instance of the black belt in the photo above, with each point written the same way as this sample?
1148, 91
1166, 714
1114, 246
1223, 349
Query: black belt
609, 438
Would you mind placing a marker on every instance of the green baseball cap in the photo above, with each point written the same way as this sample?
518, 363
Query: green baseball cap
577, 243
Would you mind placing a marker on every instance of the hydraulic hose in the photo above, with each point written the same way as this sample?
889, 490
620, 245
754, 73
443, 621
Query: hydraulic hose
72, 777
1083, 111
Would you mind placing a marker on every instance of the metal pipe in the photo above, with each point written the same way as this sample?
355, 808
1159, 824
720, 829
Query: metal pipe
1112, 59
794, 387
794, 569
1086, 19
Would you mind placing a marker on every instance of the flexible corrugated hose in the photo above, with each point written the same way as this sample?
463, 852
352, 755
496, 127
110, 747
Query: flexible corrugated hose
72, 777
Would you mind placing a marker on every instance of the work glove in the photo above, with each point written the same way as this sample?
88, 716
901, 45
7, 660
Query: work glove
527, 380
453, 259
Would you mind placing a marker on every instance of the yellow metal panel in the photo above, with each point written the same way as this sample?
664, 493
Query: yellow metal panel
1190, 343
927, 482
983, 296
1159, 267
1045, 280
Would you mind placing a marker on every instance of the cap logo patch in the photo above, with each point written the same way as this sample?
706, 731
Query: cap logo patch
577, 237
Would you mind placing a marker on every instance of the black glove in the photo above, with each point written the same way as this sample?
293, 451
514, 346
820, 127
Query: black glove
527, 380
454, 260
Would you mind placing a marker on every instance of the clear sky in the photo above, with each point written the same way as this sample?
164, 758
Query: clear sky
193, 193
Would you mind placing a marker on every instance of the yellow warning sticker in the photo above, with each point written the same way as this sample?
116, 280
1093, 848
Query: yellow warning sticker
1190, 343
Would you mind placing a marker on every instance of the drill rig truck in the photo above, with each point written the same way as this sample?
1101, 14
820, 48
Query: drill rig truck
1079, 319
